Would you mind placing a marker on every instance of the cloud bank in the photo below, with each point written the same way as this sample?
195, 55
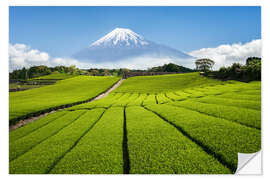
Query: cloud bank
21, 55
225, 55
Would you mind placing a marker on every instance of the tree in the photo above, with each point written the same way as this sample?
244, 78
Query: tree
72, 69
252, 59
204, 64
94, 72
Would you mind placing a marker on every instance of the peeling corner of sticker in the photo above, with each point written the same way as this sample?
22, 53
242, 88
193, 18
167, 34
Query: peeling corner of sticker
249, 164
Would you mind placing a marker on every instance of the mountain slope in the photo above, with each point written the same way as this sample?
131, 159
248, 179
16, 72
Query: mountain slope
121, 44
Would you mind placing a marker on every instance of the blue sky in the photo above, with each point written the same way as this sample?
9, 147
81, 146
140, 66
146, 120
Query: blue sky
62, 31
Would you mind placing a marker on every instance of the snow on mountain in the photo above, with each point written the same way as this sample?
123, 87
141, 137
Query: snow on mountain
120, 37
124, 44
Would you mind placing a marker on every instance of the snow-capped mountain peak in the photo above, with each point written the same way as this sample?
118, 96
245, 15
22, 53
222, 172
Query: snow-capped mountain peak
121, 37
124, 44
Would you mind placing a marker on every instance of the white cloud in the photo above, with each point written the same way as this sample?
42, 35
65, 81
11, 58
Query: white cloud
225, 55
21, 55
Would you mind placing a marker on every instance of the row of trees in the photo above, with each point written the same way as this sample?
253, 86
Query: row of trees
36, 71
248, 72
170, 68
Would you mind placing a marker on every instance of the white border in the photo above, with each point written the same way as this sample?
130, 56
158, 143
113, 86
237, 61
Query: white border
4, 78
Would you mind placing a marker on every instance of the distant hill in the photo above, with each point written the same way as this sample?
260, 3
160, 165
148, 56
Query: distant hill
170, 68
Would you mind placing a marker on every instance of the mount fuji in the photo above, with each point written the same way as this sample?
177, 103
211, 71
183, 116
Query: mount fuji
123, 45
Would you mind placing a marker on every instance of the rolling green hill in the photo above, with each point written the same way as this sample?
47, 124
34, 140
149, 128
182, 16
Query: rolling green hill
72, 90
167, 124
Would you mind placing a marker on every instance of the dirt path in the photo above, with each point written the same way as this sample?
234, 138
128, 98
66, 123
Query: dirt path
110, 90
31, 119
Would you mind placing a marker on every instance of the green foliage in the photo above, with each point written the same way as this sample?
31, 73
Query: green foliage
56, 76
31, 127
204, 64
67, 91
169, 68
231, 102
161, 98
138, 101
241, 96
253, 60
150, 99
249, 72
222, 137
164, 83
22, 145
100, 150
45, 154
36, 71
156, 147
201, 125
248, 117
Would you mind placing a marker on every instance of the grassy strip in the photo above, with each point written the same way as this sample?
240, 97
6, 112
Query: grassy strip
20, 132
162, 98
248, 117
194, 93
138, 101
156, 147
42, 158
65, 92
240, 96
135, 97
99, 151
173, 96
229, 86
231, 102
251, 92
104, 102
224, 138
22, 145
58, 76
150, 99
181, 95
124, 100
164, 83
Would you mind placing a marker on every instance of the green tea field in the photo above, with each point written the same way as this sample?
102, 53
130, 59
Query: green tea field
164, 124
72, 90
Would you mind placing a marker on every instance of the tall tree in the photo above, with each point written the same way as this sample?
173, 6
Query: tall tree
204, 64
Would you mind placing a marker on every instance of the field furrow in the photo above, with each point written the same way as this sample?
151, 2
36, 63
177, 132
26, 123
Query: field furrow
231, 102
224, 138
163, 124
156, 147
123, 100
161, 98
181, 95
24, 144
240, 96
33, 126
248, 117
138, 101
43, 157
193, 93
100, 150
65, 92
150, 99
